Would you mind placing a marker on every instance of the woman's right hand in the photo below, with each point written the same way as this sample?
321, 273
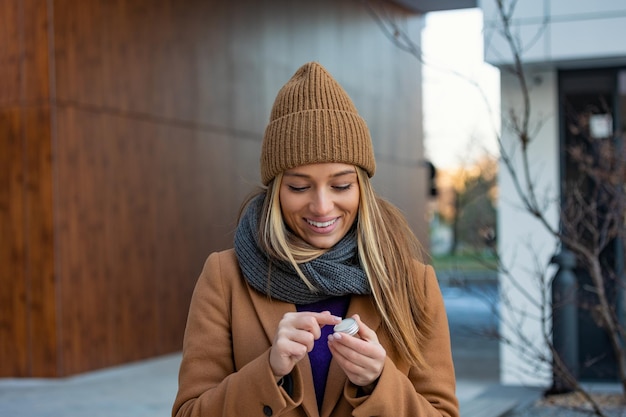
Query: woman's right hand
295, 337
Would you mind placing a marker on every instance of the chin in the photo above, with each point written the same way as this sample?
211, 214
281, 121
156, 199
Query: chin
324, 244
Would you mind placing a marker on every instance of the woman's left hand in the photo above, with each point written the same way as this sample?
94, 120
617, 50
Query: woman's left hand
362, 358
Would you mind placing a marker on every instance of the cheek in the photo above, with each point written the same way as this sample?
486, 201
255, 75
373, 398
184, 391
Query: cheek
288, 207
354, 202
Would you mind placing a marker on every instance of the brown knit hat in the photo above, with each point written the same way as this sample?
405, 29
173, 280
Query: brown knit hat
313, 121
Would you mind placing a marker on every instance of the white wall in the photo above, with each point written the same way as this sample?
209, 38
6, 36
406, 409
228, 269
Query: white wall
523, 243
559, 31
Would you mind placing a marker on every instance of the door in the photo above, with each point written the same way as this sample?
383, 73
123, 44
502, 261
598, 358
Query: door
592, 105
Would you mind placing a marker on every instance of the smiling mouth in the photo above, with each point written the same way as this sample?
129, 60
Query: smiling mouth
321, 224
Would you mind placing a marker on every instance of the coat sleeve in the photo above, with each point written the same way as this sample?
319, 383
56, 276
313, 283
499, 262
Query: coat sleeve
423, 392
208, 383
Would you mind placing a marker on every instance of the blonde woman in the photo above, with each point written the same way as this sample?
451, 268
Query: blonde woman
317, 245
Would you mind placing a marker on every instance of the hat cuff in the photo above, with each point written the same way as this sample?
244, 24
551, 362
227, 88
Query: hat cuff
316, 136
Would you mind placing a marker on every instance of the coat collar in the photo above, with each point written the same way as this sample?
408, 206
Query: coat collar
271, 311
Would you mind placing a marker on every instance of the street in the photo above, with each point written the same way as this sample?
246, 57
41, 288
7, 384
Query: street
473, 319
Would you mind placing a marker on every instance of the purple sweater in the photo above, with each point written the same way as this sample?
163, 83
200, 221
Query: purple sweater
320, 355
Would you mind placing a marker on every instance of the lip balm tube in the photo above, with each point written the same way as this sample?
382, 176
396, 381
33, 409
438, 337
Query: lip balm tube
348, 326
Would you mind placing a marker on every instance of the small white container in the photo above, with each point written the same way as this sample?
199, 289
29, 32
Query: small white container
348, 326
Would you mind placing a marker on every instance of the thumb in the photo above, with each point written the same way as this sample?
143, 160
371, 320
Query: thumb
365, 332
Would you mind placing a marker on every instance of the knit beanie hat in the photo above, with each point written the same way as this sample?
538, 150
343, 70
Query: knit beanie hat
314, 121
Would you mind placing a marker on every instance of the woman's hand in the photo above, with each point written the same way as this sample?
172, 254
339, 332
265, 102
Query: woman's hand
362, 358
295, 337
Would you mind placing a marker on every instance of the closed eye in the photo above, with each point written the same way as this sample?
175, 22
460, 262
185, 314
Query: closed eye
345, 187
297, 189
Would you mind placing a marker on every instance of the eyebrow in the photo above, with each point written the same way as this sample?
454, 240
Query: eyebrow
335, 175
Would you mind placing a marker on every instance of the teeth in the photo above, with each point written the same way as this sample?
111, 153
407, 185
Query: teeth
321, 224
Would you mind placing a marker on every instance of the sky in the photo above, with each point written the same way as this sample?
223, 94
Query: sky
458, 125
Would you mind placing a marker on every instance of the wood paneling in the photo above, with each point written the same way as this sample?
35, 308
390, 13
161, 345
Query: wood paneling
40, 244
28, 288
10, 52
37, 65
24, 57
135, 130
14, 337
136, 198
27, 280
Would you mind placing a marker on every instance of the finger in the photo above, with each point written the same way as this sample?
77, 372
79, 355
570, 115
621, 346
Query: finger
295, 336
365, 332
359, 369
356, 350
289, 348
303, 337
313, 322
349, 347
284, 355
326, 318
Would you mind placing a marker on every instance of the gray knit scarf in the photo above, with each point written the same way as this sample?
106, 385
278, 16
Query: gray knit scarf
335, 273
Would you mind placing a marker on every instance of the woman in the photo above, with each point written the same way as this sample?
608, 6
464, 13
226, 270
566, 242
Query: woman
316, 245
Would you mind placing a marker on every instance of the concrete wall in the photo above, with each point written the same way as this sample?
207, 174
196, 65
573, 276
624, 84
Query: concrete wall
523, 243
552, 31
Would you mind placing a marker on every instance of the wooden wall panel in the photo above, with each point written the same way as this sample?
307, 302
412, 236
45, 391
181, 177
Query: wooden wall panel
28, 287
36, 66
143, 205
40, 262
196, 192
140, 124
27, 278
87, 302
24, 55
14, 336
10, 39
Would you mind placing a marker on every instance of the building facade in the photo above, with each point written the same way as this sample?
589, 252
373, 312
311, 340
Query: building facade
130, 133
574, 62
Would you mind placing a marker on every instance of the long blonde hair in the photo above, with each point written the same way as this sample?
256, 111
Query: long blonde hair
389, 253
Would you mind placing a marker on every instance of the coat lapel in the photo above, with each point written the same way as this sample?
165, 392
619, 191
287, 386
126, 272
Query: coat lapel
363, 306
270, 312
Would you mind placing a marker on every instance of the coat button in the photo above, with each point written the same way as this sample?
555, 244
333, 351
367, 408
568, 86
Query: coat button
267, 410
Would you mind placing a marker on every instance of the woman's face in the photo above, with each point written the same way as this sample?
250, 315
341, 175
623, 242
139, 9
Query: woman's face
320, 202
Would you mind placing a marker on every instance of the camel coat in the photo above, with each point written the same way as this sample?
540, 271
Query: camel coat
225, 369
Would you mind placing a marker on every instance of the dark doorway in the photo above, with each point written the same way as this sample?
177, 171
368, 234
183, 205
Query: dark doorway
592, 116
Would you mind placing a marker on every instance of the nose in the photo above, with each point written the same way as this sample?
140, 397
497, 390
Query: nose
322, 203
